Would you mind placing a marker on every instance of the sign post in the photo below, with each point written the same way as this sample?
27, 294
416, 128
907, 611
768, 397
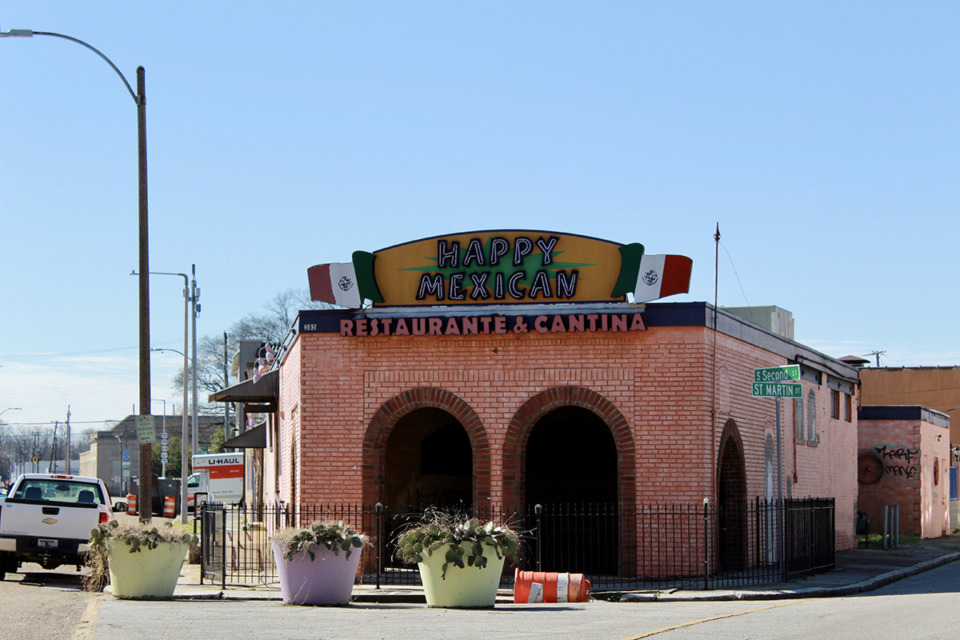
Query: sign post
778, 382
146, 434
146, 431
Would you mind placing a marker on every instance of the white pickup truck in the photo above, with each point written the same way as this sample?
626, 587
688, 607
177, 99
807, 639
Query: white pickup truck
47, 519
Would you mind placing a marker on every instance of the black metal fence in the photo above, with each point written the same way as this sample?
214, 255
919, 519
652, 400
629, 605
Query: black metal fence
617, 547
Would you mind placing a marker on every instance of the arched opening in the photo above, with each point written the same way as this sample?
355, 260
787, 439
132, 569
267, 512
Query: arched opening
732, 498
571, 457
393, 411
428, 461
571, 470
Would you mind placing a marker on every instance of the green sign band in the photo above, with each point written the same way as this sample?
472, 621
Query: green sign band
790, 372
777, 390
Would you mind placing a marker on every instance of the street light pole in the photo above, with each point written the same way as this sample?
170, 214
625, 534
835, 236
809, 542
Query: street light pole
120, 444
140, 99
194, 297
184, 438
163, 437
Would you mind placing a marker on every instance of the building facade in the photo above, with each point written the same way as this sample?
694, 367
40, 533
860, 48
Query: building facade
431, 400
904, 461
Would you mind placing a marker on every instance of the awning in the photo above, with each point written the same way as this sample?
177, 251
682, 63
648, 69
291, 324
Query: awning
258, 397
255, 438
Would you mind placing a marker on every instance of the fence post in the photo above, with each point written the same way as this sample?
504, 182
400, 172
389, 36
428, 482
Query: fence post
896, 525
706, 543
380, 543
202, 540
223, 574
886, 525
538, 509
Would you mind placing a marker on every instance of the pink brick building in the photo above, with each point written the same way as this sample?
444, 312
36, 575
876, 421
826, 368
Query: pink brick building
904, 460
508, 385
633, 404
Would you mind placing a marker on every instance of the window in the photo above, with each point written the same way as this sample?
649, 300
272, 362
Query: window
835, 405
847, 407
798, 420
812, 437
59, 490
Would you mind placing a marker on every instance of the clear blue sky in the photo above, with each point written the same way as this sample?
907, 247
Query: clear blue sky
824, 138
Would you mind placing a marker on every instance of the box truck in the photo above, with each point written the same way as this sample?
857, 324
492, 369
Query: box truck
219, 475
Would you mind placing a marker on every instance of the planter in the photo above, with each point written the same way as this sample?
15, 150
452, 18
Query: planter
149, 574
325, 580
466, 588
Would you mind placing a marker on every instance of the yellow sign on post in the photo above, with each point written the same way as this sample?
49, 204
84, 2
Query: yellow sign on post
146, 431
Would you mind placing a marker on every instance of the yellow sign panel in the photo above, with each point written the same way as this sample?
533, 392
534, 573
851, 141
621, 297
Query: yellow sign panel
503, 267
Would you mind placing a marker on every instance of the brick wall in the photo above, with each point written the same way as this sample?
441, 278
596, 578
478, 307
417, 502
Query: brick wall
655, 389
910, 451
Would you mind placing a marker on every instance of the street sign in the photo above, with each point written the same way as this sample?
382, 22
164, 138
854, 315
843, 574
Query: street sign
777, 389
787, 373
146, 432
125, 462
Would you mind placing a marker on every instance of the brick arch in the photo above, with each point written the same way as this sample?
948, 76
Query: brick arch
731, 437
391, 411
732, 498
518, 434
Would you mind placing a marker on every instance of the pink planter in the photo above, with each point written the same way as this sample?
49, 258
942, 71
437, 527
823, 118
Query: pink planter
326, 580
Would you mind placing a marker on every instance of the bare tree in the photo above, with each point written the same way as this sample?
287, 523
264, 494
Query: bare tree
270, 326
23, 443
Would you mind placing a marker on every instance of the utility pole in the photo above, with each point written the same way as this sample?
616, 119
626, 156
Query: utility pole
53, 450
67, 468
194, 297
226, 383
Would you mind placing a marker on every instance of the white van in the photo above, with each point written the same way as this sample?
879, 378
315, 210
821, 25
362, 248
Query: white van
219, 475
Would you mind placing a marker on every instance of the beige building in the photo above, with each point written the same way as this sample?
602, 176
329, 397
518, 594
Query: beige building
936, 388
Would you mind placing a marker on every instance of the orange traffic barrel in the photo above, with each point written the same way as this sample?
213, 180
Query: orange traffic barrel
542, 586
132, 504
169, 506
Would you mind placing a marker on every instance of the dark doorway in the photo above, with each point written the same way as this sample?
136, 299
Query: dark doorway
571, 470
732, 497
428, 462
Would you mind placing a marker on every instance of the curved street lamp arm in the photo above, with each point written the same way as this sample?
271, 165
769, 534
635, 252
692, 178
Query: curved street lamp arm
28, 33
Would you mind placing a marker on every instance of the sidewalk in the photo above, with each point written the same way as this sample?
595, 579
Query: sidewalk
857, 571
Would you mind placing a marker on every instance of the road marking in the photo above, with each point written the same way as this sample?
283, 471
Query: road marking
88, 621
712, 619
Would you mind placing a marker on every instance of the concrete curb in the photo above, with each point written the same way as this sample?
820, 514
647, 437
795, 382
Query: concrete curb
414, 596
813, 592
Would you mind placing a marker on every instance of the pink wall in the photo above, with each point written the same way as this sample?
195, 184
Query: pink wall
910, 449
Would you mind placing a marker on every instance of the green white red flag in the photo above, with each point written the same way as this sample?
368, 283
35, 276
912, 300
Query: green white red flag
661, 276
335, 283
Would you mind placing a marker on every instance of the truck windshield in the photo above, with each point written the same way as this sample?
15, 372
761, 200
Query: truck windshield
58, 490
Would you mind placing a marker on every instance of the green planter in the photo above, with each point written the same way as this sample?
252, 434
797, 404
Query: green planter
148, 574
465, 588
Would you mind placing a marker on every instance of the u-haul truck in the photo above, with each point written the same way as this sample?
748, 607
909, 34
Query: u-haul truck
219, 475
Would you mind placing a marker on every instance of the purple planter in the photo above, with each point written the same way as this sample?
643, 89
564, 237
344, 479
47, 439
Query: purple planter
326, 580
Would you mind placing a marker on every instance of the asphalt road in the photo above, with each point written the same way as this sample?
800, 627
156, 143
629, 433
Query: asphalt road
51, 605
42, 605
923, 606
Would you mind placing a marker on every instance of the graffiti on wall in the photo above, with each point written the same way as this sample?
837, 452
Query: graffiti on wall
900, 463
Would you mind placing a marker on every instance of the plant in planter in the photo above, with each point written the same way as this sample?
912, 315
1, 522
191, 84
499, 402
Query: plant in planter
314, 563
460, 559
137, 560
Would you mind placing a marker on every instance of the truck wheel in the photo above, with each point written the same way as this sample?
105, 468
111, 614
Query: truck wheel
3, 565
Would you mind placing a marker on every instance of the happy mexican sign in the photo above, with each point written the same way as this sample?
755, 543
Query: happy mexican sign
500, 267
